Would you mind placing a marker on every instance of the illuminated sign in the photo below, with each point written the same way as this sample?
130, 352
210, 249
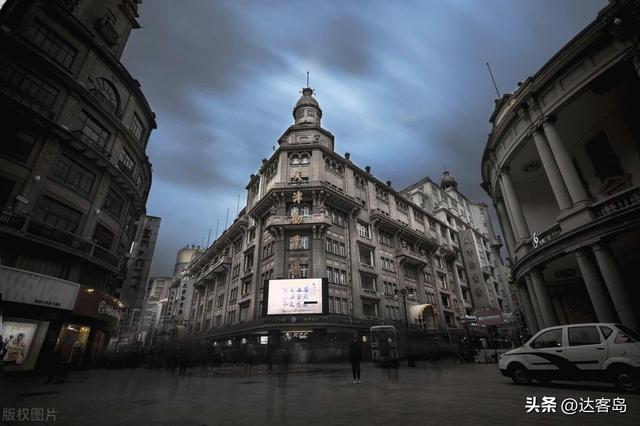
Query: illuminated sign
296, 296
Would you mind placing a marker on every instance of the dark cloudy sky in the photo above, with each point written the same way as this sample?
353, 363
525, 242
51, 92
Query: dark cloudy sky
403, 86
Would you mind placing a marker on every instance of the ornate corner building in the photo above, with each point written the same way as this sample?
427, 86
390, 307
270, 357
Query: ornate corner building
313, 213
74, 175
562, 166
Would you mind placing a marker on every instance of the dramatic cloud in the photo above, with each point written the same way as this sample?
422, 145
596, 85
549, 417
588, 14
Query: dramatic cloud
403, 87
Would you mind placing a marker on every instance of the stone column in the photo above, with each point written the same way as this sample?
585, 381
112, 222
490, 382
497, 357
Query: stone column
544, 300
551, 169
527, 307
595, 287
534, 302
615, 284
503, 218
515, 210
562, 158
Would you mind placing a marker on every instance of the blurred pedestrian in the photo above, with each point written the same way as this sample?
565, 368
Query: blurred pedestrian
250, 358
355, 357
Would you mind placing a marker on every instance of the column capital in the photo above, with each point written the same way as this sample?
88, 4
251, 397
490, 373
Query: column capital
548, 119
504, 170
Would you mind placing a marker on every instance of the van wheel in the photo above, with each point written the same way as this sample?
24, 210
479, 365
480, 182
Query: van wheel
626, 379
519, 374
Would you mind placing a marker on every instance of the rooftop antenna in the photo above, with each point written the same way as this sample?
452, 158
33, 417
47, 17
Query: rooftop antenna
307, 78
226, 221
494, 80
217, 224
209, 237
238, 206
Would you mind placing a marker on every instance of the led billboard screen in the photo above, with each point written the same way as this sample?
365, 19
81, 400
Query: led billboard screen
296, 296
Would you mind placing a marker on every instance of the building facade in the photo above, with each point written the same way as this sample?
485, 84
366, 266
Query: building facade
562, 166
180, 290
135, 287
74, 175
154, 304
313, 213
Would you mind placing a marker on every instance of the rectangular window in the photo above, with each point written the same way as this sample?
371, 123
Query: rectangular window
363, 230
368, 282
233, 296
113, 203
136, 127
91, 131
366, 256
220, 300
74, 175
235, 271
57, 215
337, 218
32, 88
299, 242
370, 309
51, 44
19, 147
410, 271
604, 160
126, 164
386, 238
103, 237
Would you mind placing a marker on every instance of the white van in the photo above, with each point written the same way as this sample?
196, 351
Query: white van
590, 352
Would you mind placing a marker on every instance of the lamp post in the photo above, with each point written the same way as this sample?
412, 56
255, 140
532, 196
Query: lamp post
404, 293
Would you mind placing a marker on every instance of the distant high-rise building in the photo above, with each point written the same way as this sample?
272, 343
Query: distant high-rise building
74, 174
154, 304
135, 286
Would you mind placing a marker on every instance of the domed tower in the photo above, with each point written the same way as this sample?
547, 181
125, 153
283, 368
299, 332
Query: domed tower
307, 129
448, 181
307, 110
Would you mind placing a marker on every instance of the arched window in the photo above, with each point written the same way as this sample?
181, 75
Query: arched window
295, 160
109, 91
304, 159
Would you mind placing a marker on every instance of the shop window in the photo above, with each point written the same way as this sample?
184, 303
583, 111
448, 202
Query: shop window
72, 342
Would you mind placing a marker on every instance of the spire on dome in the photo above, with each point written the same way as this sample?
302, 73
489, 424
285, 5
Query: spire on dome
307, 110
448, 181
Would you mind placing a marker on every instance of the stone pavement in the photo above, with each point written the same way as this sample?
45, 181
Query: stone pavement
433, 393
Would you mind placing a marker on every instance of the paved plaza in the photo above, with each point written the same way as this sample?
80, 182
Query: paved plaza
432, 393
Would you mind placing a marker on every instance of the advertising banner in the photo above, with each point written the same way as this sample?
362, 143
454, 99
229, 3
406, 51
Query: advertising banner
17, 338
296, 296
21, 286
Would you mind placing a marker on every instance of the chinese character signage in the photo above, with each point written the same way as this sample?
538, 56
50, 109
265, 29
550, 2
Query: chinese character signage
295, 296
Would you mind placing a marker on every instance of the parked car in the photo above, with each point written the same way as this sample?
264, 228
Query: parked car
577, 352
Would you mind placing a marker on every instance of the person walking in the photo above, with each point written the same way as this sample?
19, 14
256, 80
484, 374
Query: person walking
355, 357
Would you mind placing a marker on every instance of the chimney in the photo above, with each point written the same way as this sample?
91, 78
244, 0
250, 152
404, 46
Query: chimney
367, 169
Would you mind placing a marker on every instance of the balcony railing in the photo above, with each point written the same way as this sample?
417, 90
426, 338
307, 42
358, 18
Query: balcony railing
411, 255
548, 234
69, 240
305, 220
101, 149
617, 202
